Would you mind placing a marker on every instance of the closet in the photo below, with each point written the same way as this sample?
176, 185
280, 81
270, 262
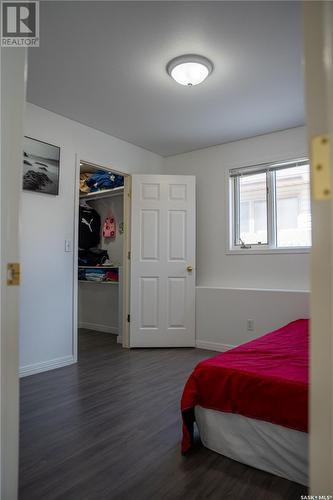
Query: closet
100, 250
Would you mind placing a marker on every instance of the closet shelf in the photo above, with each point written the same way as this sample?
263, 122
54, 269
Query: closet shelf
99, 267
100, 282
105, 193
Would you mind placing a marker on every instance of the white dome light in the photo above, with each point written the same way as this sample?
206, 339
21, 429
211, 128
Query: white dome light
189, 69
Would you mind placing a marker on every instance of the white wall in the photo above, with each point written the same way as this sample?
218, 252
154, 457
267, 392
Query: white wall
98, 306
217, 269
222, 314
46, 221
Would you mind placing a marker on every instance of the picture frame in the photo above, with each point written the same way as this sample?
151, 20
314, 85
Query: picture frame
41, 166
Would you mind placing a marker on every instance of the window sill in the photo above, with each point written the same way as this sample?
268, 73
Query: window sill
268, 251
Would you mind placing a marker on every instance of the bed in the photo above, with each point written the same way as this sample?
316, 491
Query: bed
251, 403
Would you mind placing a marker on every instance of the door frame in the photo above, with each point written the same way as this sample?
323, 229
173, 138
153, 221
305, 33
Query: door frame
126, 249
13, 88
318, 50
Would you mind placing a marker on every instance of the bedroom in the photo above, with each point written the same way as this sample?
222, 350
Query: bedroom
106, 99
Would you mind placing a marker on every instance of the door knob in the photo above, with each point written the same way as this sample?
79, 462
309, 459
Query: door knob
189, 269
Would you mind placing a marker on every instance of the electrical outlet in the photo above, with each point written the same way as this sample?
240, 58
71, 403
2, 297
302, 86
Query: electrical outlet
250, 325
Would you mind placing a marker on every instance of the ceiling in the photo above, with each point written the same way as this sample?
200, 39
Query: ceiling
103, 64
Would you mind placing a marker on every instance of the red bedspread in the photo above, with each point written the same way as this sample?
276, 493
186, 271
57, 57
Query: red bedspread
266, 379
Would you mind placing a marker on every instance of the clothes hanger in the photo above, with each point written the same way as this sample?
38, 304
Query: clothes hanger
84, 204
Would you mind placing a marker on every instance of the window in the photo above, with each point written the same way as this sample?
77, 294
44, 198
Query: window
253, 197
270, 206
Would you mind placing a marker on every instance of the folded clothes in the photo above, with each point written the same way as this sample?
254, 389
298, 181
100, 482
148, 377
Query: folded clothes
93, 257
98, 274
84, 188
111, 275
93, 274
104, 180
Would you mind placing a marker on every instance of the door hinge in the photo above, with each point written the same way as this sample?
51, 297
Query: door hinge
128, 318
13, 273
320, 165
129, 255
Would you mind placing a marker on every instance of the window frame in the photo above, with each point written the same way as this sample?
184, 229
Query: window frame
233, 201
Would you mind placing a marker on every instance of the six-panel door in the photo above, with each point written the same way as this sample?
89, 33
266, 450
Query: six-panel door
162, 304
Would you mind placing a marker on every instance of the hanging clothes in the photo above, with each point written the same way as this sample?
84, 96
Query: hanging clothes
109, 227
89, 227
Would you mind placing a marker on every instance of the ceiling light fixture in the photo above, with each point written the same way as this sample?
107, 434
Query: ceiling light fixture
189, 69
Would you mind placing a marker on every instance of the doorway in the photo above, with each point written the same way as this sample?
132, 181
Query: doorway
101, 252
148, 300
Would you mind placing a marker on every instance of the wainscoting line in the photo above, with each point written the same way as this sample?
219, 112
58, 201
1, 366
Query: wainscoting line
45, 366
213, 346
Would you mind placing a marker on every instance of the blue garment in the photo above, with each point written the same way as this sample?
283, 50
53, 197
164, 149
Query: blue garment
104, 180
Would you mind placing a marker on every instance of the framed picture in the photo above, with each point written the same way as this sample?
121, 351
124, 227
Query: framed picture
41, 165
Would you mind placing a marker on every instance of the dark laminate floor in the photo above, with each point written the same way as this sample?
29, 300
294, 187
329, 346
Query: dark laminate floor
109, 428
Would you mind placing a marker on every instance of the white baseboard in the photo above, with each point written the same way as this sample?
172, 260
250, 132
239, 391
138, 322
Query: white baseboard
44, 366
213, 346
99, 328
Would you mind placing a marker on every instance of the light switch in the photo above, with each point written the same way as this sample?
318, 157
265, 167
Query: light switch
68, 246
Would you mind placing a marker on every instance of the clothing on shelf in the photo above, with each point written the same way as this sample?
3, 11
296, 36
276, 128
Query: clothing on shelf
95, 274
98, 274
107, 262
93, 257
84, 188
111, 275
104, 180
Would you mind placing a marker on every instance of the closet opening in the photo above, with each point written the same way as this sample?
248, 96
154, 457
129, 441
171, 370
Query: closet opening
101, 253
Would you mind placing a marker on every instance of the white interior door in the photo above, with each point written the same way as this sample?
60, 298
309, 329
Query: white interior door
13, 71
162, 303
318, 55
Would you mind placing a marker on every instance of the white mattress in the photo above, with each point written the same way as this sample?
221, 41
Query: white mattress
266, 446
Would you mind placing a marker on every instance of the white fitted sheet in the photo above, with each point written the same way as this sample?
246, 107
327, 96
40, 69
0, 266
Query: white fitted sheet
266, 446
